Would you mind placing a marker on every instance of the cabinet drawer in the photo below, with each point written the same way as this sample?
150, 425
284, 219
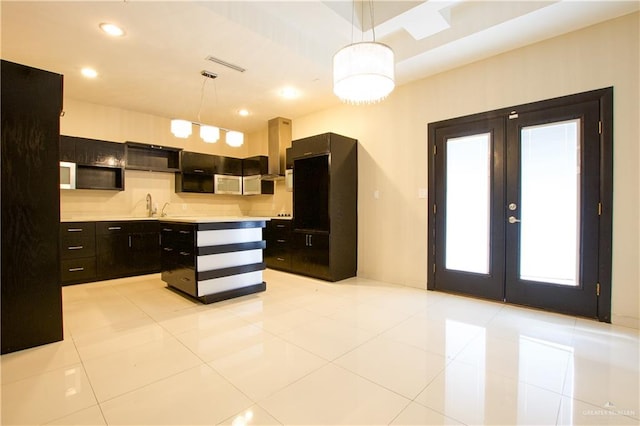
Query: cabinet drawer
183, 279
72, 247
77, 229
74, 270
177, 235
126, 227
103, 228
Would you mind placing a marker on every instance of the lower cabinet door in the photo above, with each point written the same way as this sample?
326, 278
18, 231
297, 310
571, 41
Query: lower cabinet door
311, 254
145, 253
112, 253
78, 270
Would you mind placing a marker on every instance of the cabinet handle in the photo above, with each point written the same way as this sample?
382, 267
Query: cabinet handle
167, 249
129, 240
310, 240
280, 226
185, 232
280, 259
75, 248
198, 171
184, 253
185, 279
167, 229
76, 269
281, 241
115, 228
74, 230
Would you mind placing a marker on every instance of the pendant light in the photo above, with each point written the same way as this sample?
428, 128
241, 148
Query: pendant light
181, 128
234, 138
209, 134
363, 72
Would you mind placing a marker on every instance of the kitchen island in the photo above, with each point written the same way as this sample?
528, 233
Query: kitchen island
213, 258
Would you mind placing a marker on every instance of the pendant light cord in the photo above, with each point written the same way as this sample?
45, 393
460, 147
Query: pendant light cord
373, 26
204, 82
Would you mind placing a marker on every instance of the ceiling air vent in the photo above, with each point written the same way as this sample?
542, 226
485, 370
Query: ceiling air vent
225, 63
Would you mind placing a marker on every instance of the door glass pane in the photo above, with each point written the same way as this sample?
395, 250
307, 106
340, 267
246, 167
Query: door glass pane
550, 203
468, 195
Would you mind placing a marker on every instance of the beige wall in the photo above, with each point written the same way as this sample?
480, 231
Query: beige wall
112, 124
393, 139
393, 150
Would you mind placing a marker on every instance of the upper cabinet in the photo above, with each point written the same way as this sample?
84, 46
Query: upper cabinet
228, 166
252, 170
99, 164
154, 158
196, 163
217, 174
196, 173
93, 152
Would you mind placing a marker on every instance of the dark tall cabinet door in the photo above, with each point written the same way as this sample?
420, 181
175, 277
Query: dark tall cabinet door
31, 291
311, 254
325, 206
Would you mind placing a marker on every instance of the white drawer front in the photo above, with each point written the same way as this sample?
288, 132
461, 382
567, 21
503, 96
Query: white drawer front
217, 285
228, 260
228, 236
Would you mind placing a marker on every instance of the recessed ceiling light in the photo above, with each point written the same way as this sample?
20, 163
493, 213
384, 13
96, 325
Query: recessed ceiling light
112, 29
89, 72
289, 92
243, 112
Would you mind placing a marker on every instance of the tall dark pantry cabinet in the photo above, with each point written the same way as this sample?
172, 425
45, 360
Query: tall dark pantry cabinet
325, 212
30, 275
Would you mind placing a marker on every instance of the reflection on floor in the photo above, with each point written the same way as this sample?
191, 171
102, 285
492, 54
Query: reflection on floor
309, 352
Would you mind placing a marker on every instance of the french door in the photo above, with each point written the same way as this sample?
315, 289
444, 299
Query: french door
518, 197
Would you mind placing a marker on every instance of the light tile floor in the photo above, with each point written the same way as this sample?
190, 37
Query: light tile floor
309, 352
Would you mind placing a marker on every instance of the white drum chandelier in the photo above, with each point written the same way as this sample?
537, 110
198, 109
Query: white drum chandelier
364, 72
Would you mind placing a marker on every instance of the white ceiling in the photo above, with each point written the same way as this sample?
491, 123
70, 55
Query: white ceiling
155, 68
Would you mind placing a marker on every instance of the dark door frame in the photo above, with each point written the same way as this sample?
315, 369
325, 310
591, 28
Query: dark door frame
605, 98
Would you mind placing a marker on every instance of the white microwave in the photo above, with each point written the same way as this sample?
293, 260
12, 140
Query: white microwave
252, 185
67, 175
226, 184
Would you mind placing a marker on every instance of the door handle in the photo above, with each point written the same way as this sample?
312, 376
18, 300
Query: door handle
512, 219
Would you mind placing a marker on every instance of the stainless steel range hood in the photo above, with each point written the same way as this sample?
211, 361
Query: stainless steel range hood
279, 141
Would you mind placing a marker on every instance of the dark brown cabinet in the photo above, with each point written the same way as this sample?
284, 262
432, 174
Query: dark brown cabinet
256, 166
92, 251
126, 248
197, 172
277, 234
178, 256
93, 152
154, 158
228, 166
99, 164
31, 296
311, 254
77, 252
325, 199
197, 163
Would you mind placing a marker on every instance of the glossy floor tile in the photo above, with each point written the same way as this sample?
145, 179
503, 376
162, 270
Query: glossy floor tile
308, 352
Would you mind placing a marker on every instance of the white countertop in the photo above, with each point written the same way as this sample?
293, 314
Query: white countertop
186, 219
213, 219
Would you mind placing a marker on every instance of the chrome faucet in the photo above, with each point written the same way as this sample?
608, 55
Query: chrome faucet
162, 213
150, 210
